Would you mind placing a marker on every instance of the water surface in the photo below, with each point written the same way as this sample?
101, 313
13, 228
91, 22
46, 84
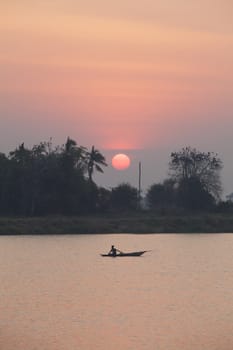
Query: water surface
58, 293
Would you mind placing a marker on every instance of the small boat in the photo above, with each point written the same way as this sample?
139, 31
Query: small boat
125, 254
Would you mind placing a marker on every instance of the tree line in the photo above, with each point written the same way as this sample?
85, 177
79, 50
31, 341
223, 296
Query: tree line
48, 180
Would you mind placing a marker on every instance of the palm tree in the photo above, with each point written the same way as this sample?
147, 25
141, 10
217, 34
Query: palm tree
94, 161
74, 155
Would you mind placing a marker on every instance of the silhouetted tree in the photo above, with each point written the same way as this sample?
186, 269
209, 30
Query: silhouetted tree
225, 207
73, 156
124, 197
104, 199
94, 162
4, 183
161, 195
22, 166
204, 167
192, 195
45, 180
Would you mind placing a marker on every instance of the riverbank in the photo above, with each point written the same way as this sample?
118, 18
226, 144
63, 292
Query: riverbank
140, 223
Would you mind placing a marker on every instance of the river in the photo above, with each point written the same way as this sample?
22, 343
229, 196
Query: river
58, 293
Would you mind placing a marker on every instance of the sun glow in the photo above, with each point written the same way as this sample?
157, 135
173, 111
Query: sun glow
120, 161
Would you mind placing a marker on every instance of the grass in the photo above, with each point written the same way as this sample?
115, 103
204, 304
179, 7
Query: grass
131, 223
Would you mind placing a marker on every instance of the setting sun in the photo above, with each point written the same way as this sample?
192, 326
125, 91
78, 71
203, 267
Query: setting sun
120, 161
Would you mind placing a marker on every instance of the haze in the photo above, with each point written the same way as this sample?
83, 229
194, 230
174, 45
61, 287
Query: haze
145, 77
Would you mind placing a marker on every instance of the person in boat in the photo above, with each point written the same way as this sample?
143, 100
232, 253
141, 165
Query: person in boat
113, 251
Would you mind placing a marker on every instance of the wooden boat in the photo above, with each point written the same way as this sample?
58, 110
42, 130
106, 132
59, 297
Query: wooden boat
125, 254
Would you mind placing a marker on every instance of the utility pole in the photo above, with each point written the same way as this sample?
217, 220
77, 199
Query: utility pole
139, 184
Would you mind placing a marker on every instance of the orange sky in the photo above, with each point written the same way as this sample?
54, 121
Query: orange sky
120, 75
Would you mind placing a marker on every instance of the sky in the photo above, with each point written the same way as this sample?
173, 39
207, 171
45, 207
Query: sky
146, 78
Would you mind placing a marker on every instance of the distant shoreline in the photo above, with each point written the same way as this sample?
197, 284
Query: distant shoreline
143, 223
